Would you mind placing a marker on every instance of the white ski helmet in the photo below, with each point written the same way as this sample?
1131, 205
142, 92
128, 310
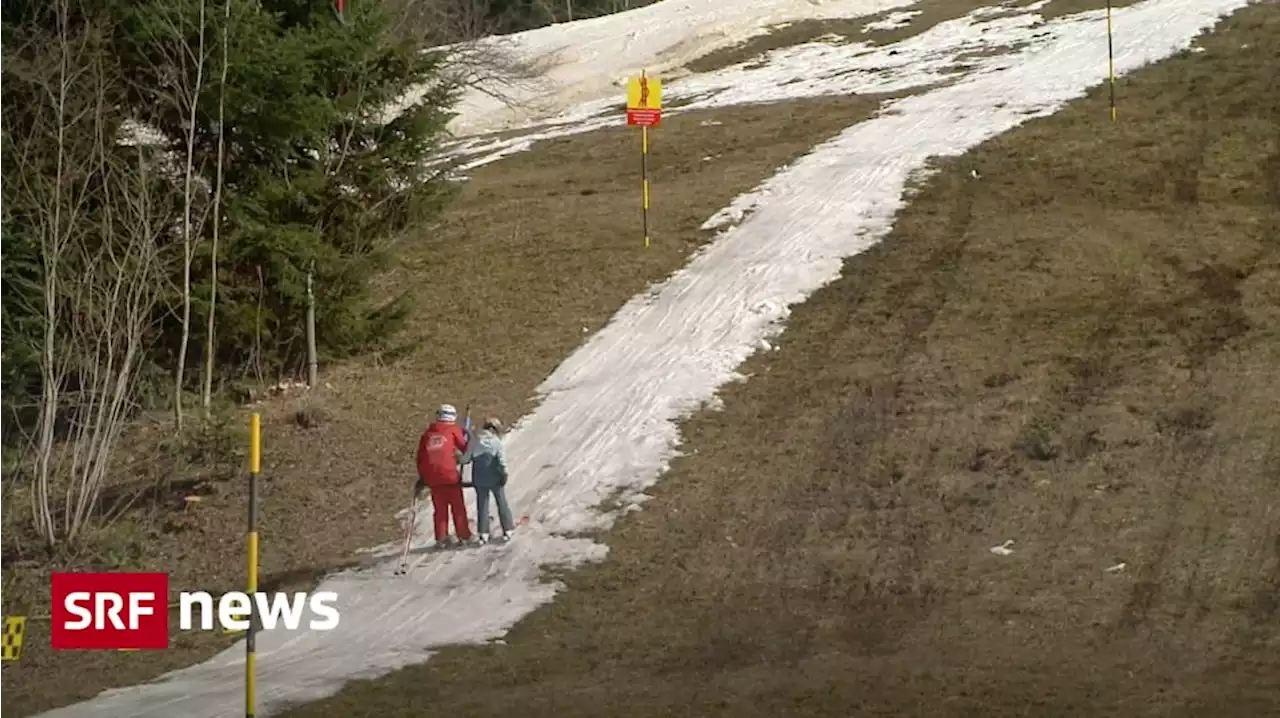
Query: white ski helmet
447, 412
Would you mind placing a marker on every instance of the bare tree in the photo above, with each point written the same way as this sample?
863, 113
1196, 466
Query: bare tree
206, 397
189, 97
475, 56
548, 9
52, 171
95, 226
114, 299
180, 57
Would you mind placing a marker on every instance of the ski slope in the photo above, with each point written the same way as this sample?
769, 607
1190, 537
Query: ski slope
606, 422
591, 59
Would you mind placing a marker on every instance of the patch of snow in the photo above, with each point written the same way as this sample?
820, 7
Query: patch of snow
589, 59
932, 57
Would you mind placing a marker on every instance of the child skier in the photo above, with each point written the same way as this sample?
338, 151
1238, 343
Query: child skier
489, 477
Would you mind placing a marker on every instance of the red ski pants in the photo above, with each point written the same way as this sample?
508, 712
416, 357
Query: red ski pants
447, 500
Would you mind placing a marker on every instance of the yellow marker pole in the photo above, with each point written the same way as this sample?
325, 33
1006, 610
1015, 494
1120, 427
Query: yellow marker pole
644, 178
1111, 64
255, 468
644, 108
644, 173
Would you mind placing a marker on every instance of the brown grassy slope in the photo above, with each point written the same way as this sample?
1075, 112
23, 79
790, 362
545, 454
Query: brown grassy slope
930, 13
1077, 352
540, 249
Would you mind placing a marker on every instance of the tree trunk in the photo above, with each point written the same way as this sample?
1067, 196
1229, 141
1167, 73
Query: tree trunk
312, 360
192, 96
206, 397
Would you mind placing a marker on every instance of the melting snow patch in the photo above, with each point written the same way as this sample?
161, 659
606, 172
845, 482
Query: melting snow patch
973, 44
581, 61
1003, 549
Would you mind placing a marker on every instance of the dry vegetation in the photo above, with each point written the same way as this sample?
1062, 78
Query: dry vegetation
931, 13
1077, 352
545, 246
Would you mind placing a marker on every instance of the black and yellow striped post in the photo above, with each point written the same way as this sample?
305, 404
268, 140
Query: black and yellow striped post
1111, 64
644, 108
14, 628
644, 179
255, 468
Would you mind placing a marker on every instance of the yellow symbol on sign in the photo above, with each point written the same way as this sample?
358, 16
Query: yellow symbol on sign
644, 93
13, 629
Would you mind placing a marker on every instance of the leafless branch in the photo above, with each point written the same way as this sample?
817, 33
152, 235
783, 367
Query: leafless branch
97, 229
475, 56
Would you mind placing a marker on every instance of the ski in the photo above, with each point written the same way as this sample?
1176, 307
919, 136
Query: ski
501, 541
458, 547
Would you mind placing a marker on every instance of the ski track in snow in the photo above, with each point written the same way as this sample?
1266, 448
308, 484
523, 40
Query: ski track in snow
606, 424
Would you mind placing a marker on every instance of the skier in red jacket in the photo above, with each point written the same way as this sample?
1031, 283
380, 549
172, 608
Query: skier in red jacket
438, 452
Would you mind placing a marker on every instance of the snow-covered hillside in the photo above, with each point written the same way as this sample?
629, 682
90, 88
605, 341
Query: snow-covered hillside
591, 59
606, 423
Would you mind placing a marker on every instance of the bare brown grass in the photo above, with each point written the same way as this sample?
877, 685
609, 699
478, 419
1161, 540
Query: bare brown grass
538, 251
1076, 352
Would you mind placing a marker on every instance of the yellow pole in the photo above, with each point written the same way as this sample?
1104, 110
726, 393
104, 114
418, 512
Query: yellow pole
644, 178
255, 468
1111, 64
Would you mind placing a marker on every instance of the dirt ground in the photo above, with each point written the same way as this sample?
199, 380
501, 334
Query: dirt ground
1075, 356
538, 252
929, 14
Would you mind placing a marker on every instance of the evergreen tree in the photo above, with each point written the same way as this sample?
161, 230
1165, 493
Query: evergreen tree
317, 172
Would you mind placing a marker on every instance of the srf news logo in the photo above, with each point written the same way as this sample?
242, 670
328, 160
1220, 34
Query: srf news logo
114, 611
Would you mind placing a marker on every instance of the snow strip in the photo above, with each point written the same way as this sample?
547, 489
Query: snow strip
607, 420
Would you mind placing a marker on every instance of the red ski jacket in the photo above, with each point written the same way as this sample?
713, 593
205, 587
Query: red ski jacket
438, 453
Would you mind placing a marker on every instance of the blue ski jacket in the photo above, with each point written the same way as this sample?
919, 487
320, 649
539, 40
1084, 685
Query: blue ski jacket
484, 453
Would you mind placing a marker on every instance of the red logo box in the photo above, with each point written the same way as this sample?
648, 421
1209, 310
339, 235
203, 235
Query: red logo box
110, 611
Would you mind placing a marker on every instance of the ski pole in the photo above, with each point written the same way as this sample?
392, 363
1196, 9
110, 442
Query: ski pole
408, 533
466, 430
